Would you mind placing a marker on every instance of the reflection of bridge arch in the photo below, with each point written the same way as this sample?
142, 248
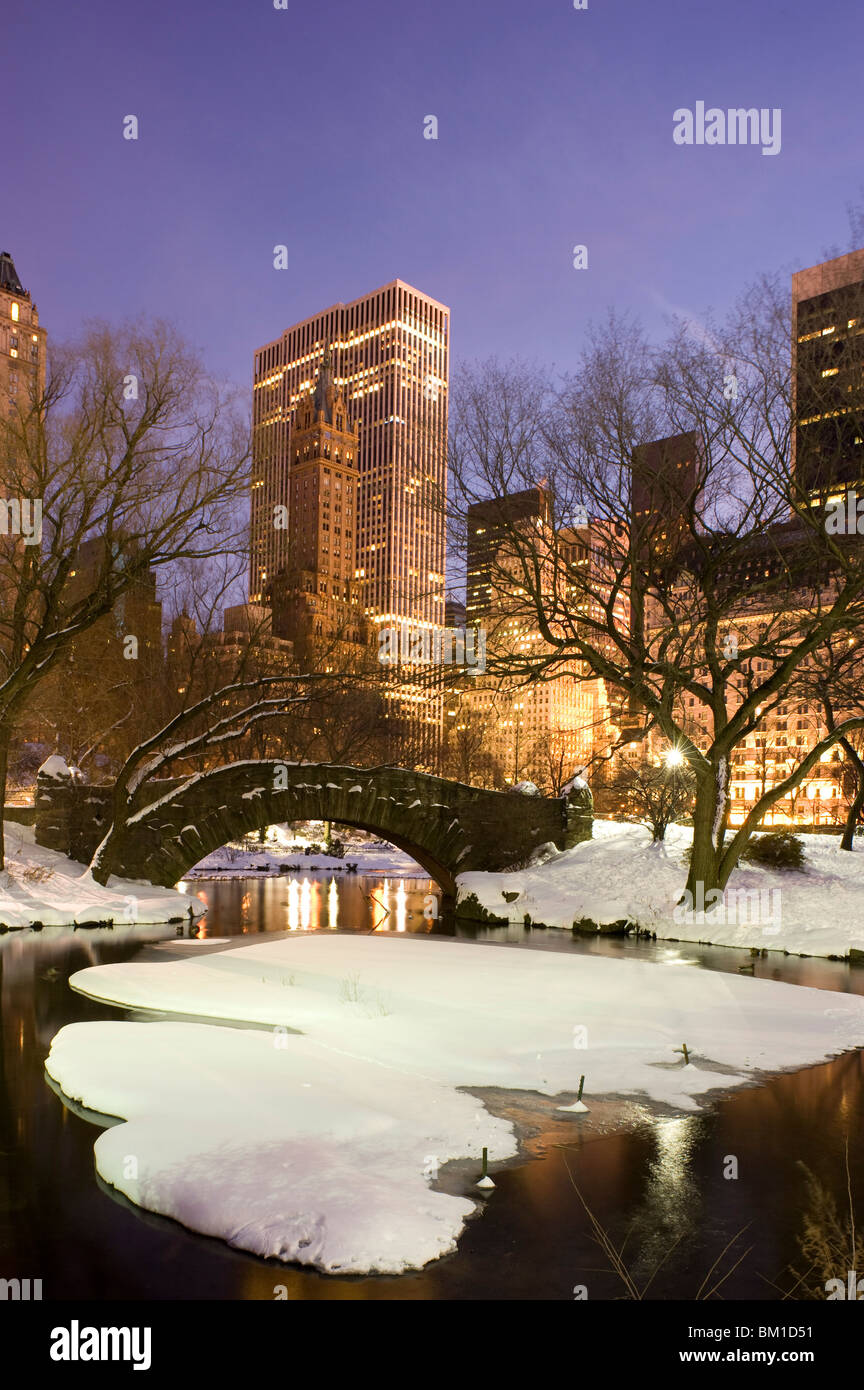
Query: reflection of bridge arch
449, 828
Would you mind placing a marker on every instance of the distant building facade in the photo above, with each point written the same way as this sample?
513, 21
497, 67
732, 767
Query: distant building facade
666, 481
828, 376
22, 341
548, 729
316, 597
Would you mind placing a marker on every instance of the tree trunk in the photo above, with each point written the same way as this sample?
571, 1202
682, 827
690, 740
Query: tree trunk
4, 769
704, 857
857, 805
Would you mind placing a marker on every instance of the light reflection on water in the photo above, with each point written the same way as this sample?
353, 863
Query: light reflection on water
313, 902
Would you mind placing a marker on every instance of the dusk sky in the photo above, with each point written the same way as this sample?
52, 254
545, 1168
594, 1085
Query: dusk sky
304, 126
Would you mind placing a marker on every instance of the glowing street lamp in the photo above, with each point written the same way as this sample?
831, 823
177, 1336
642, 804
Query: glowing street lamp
674, 757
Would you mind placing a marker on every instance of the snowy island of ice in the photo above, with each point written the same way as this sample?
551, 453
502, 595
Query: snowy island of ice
316, 1136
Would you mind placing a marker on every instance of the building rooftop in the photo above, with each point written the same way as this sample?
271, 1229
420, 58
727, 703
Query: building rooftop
9, 275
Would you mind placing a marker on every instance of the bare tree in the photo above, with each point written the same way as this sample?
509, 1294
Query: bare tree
200, 731
466, 755
654, 796
728, 574
133, 459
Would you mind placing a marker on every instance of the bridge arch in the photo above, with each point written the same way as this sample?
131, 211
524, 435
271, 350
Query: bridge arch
448, 827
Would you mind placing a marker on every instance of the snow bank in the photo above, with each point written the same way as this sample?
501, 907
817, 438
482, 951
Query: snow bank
40, 885
621, 875
319, 1145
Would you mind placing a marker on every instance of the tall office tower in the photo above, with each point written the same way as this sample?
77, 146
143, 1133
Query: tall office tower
827, 365
489, 524
592, 558
22, 376
454, 613
666, 479
545, 730
22, 341
316, 596
390, 358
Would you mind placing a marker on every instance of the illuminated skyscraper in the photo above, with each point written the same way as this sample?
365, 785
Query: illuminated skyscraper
827, 364
490, 523
315, 598
390, 361
22, 341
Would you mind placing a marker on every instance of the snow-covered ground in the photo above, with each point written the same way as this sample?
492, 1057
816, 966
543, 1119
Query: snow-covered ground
39, 885
320, 1145
286, 848
621, 876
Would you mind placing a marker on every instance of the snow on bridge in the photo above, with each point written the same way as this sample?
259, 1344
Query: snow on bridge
448, 827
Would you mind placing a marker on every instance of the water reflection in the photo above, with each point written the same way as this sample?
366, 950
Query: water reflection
333, 905
293, 909
671, 1207
309, 902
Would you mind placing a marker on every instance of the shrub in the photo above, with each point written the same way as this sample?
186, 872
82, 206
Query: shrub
779, 849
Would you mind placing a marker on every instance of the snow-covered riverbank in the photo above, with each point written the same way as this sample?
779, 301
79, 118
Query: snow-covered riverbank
620, 876
322, 1145
42, 887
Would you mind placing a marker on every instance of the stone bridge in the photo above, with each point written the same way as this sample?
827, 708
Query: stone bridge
448, 827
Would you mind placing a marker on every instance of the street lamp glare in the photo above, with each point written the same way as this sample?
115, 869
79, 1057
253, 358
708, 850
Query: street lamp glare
674, 757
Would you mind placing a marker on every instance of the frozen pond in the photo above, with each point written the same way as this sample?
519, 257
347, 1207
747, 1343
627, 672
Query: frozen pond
662, 1176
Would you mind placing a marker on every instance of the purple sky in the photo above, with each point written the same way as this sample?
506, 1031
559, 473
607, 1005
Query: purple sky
261, 126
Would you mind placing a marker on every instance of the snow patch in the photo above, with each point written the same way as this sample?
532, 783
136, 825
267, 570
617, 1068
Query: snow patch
43, 886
